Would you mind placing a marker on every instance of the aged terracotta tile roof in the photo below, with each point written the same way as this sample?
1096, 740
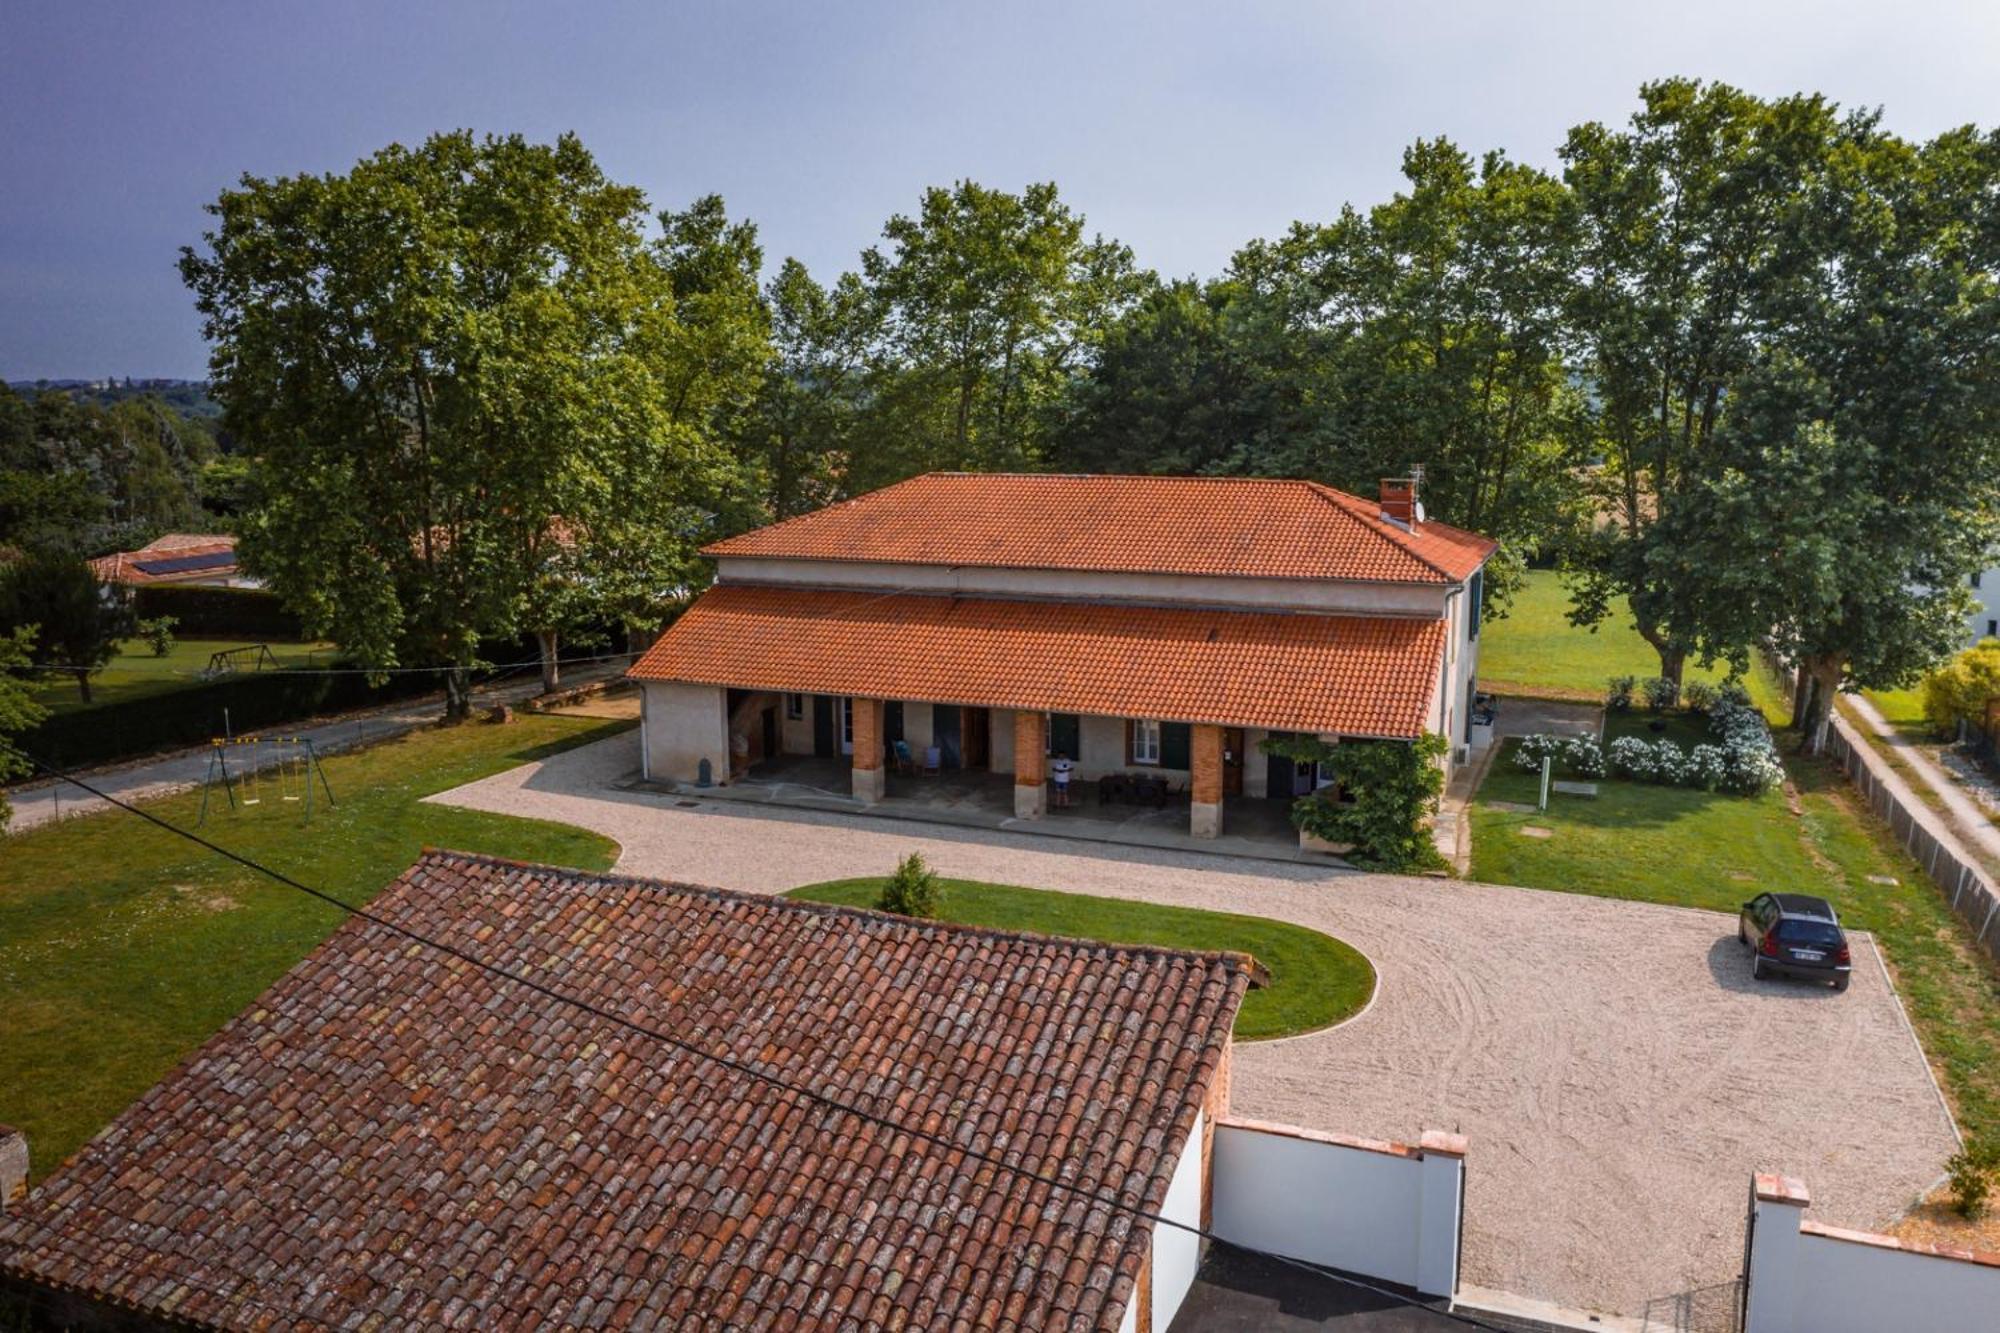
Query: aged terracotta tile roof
176, 557
1358, 675
1232, 526
389, 1138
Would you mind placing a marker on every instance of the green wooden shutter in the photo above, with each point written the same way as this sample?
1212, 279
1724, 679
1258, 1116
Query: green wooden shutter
1176, 745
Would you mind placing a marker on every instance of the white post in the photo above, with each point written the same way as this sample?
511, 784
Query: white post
1438, 1215
1547, 766
1777, 1205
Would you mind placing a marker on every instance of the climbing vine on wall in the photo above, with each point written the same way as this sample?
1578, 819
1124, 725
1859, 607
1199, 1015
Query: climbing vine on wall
1393, 788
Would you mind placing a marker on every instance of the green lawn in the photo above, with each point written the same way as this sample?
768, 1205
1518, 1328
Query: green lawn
1316, 980
135, 673
1713, 850
1536, 651
1903, 710
123, 947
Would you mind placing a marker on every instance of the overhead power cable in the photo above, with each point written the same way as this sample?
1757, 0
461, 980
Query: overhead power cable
747, 1068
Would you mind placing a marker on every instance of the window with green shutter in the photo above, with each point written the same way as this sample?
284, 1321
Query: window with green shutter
1176, 745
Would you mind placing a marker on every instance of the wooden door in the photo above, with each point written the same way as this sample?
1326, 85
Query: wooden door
1232, 761
978, 737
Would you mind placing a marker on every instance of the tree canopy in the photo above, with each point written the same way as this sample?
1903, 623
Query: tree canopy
443, 358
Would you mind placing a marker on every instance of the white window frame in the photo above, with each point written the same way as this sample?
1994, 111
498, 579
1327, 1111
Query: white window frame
1146, 741
846, 725
795, 707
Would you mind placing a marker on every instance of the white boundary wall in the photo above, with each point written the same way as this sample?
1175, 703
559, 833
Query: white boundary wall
1383, 1210
1808, 1278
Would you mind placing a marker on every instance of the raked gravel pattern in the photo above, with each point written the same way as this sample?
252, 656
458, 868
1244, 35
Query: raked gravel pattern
1618, 1075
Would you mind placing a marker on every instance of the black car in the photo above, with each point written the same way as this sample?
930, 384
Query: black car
1795, 934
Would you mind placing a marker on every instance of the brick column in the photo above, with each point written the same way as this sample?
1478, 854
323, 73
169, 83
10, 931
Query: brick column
1205, 812
869, 781
1031, 762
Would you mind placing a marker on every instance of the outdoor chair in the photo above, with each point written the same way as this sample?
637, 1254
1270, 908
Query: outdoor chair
933, 762
900, 751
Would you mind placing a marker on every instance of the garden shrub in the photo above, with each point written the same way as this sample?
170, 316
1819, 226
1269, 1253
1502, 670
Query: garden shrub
1661, 693
1699, 696
1972, 1169
1742, 759
914, 890
159, 634
1620, 697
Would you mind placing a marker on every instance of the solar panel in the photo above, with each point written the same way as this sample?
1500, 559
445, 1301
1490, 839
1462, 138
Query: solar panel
182, 564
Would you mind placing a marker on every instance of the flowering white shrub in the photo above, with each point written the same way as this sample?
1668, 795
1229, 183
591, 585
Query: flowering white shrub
1707, 767
1631, 757
1583, 756
1533, 749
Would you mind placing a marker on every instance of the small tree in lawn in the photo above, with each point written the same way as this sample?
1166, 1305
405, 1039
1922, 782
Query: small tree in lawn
18, 709
77, 626
1392, 789
914, 890
159, 634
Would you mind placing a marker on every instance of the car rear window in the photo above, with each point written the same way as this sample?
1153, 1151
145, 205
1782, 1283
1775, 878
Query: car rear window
1794, 931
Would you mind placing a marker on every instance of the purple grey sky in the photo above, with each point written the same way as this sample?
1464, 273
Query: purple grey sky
1183, 129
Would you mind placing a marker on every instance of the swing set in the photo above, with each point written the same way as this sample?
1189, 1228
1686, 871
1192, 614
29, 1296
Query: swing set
288, 780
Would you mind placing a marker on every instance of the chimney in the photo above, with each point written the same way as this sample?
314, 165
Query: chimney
1399, 499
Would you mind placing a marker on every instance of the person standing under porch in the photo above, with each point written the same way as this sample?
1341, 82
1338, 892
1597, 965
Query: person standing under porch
1060, 771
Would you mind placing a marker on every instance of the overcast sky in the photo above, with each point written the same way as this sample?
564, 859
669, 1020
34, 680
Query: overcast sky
1181, 129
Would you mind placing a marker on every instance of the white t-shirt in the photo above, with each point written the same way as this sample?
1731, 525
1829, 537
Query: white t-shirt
1061, 769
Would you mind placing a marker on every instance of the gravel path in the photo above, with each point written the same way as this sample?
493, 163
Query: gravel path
1617, 1073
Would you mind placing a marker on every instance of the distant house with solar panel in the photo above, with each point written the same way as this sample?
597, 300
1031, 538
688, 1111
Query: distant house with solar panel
202, 559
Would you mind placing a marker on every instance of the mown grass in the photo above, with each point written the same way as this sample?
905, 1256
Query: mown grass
1316, 980
1536, 652
1714, 850
136, 674
1903, 710
123, 947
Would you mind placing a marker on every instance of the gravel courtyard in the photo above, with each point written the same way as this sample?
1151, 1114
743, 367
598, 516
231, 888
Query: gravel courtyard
1618, 1075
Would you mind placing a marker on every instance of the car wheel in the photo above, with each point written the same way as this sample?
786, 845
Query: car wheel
1840, 983
1757, 967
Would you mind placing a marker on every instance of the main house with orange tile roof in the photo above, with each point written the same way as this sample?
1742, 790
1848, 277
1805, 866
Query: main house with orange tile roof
205, 559
1156, 625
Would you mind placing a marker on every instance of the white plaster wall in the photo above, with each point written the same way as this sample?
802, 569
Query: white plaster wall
1102, 742
684, 725
1414, 599
1801, 1282
1177, 1253
1001, 751
797, 732
917, 727
1987, 612
1328, 1202
1256, 764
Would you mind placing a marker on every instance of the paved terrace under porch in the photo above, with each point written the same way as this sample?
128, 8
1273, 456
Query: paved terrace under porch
1257, 827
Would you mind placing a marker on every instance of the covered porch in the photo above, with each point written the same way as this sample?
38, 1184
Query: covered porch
1160, 707
985, 764
1256, 826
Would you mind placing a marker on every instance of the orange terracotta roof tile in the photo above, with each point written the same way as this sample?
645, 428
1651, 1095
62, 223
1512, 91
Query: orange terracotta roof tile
174, 557
1357, 675
1243, 527
390, 1138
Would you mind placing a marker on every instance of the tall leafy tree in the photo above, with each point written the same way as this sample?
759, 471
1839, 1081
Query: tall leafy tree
1689, 235
1859, 459
987, 301
798, 434
18, 710
435, 357
52, 602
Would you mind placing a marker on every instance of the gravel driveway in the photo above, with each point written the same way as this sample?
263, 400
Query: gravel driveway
1616, 1072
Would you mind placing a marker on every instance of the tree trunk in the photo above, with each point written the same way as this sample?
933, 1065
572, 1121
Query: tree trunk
1816, 718
457, 694
551, 667
1673, 662
1801, 693
83, 684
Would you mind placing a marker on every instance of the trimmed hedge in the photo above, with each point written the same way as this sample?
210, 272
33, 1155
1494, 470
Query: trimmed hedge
190, 716
217, 613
